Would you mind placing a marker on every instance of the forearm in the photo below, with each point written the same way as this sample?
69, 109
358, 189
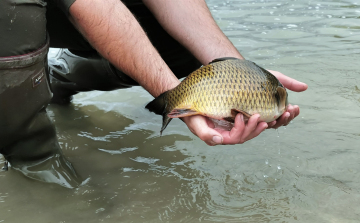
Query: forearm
114, 32
191, 23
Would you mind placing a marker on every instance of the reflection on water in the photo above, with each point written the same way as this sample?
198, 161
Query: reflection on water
306, 172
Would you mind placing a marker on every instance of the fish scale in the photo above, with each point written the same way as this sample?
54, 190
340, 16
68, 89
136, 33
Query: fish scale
222, 87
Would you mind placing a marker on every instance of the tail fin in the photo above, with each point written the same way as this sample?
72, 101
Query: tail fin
159, 107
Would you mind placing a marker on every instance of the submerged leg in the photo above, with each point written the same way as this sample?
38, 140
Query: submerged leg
6, 166
27, 135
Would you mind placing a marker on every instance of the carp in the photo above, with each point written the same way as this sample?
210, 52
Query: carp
221, 90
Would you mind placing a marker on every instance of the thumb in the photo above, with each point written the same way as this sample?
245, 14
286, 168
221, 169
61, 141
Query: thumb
209, 135
289, 82
199, 126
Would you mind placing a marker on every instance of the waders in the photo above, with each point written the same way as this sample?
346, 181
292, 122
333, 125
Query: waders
27, 137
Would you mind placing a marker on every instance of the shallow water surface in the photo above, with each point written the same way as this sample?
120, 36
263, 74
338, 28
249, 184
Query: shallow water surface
306, 172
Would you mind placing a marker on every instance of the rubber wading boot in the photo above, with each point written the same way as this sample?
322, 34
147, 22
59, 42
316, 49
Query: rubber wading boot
27, 136
78, 71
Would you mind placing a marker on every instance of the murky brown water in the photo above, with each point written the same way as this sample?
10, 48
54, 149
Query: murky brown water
306, 172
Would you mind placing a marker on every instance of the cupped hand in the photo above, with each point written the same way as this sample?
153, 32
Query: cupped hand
292, 110
205, 129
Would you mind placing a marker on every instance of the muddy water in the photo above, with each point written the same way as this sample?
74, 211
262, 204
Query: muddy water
306, 172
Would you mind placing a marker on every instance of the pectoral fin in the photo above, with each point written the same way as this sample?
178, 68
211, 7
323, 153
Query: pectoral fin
234, 112
282, 98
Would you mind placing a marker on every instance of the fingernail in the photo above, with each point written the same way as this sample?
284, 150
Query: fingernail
217, 140
242, 117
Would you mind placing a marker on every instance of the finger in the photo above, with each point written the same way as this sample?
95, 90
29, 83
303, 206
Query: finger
271, 124
288, 116
199, 126
289, 82
250, 127
282, 120
239, 126
291, 117
233, 137
295, 111
259, 129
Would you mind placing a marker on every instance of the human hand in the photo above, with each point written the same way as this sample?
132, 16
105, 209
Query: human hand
241, 132
292, 110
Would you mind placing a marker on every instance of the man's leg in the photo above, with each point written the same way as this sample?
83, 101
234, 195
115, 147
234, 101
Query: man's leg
27, 137
78, 71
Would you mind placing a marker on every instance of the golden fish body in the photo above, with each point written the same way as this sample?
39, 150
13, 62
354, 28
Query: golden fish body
222, 89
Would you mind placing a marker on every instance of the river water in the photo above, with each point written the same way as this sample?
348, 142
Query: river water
306, 172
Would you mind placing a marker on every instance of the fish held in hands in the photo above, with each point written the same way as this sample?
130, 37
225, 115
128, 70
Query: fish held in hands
221, 90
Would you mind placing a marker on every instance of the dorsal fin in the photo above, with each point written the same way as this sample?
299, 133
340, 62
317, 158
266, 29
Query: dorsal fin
223, 59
